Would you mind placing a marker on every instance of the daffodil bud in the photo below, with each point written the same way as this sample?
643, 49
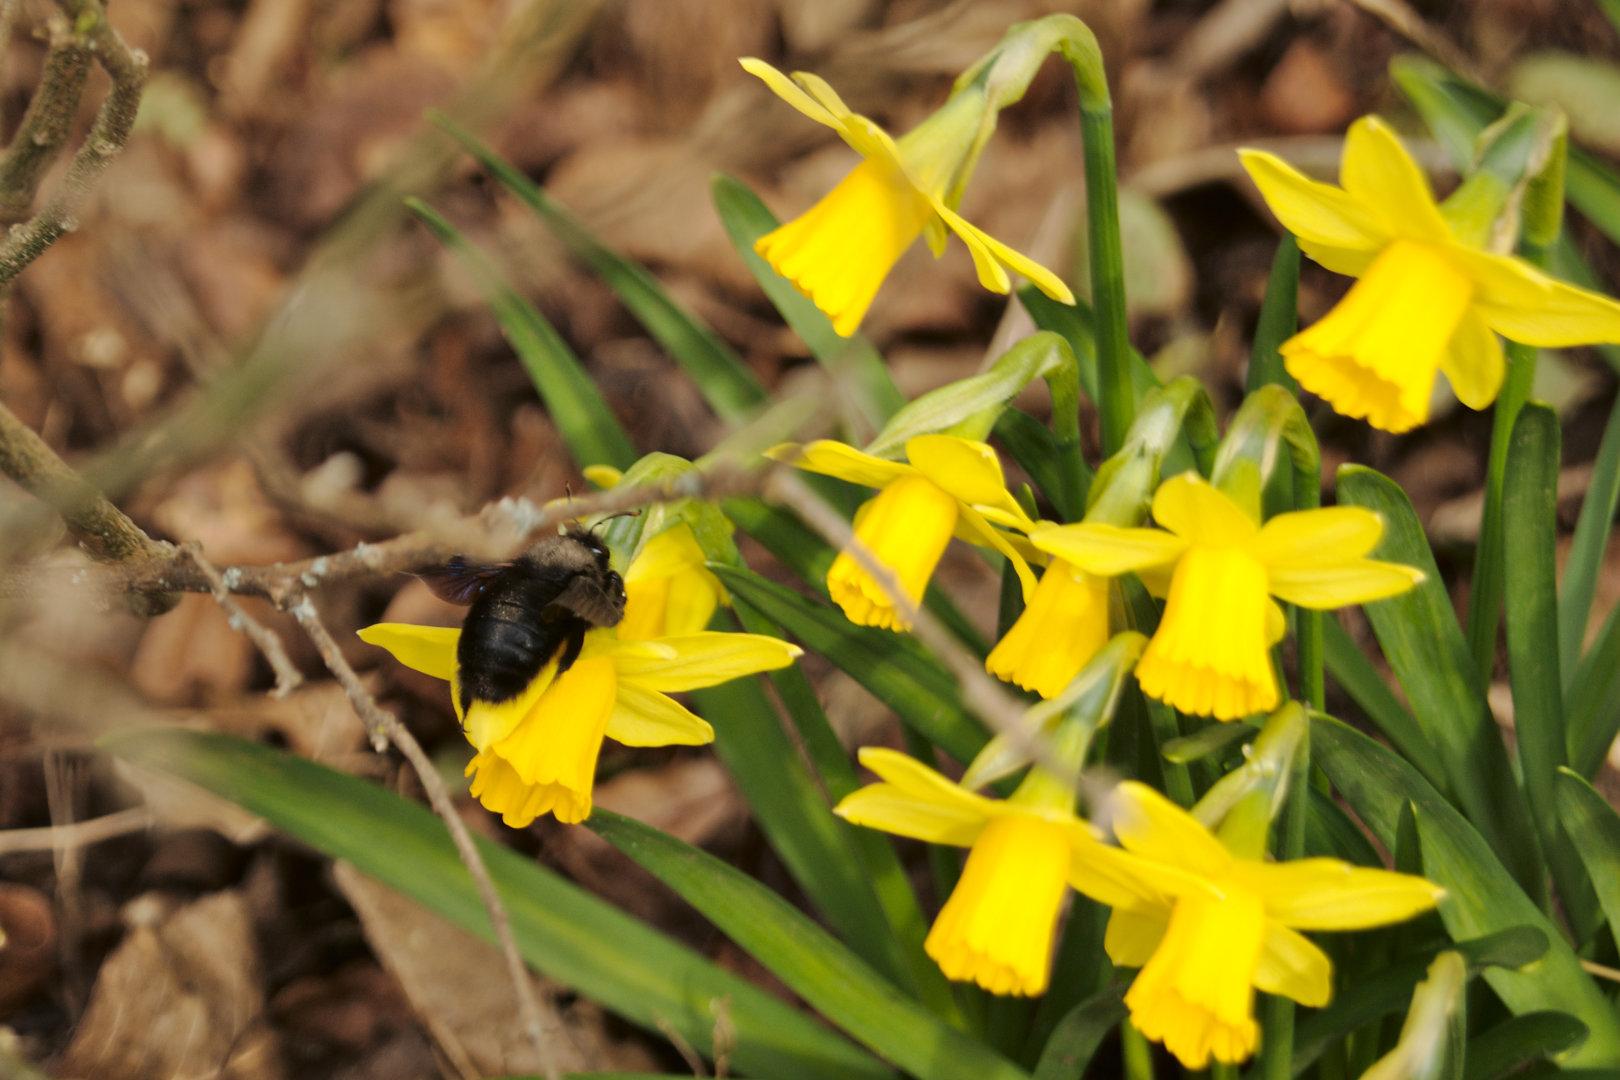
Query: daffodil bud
1242, 805
1435, 1027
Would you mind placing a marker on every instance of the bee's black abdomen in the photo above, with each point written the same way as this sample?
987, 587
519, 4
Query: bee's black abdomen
505, 640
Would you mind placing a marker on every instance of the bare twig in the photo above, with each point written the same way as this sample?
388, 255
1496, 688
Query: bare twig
496, 532
984, 696
384, 727
114, 120
75, 835
48, 121
288, 677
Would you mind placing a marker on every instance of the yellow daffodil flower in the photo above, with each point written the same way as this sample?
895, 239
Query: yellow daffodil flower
999, 924
669, 588
537, 752
1219, 568
1208, 928
1057, 634
920, 506
839, 251
1426, 301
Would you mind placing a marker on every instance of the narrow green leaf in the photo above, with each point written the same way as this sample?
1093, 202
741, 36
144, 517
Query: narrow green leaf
1594, 828
1279, 319
1594, 700
1420, 638
726, 382
563, 931
1481, 896
1212, 739
747, 219
1509, 1046
593, 434
1529, 539
893, 667
1586, 550
1058, 474
1077, 1036
1355, 673
832, 979
1076, 325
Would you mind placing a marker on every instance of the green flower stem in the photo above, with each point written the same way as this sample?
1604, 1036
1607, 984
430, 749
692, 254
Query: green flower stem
1485, 595
1117, 401
1136, 1051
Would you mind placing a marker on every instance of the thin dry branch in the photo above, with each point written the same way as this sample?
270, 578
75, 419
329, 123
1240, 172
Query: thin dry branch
76, 834
288, 676
48, 122
115, 119
385, 727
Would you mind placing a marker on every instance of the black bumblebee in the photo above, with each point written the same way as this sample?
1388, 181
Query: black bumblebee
528, 610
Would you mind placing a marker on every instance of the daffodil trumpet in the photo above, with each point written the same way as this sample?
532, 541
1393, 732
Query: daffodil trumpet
839, 251
1208, 928
945, 488
1429, 298
669, 588
536, 753
1219, 569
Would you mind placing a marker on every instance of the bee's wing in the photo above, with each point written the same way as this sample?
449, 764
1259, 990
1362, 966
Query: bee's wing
459, 581
599, 601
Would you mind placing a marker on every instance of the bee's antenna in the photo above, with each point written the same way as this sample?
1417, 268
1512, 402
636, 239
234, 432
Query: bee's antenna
609, 517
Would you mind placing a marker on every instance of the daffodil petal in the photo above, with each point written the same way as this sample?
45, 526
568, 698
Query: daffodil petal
791, 92
603, 476
1108, 550
891, 810
832, 458
1379, 173
1196, 510
991, 256
1356, 581
1119, 879
1473, 363
1523, 304
1311, 537
644, 717
1133, 934
981, 531
704, 659
428, 649
917, 779
1150, 825
1292, 967
966, 468
1333, 228
1327, 894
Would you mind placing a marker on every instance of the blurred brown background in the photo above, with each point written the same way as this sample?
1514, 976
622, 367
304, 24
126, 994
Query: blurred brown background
257, 214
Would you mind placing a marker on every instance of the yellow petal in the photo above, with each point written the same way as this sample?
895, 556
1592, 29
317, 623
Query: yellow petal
1523, 304
555, 748
1473, 363
703, 659
1150, 825
1327, 894
1133, 934
1376, 354
1355, 581
1063, 627
839, 251
891, 810
967, 468
1196, 992
1210, 655
1325, 535
992, 259
669, 588
997, 928
906, 528
497, 786
1292, 967
1107, 550
1333, 228
831, 458
1198, 511
603, 476
488, 722
428, 649
917, 780
1122, 880
972, 525
1379, 173
791, 92
647, 718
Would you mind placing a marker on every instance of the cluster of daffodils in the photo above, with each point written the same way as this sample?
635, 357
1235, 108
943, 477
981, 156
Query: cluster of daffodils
1207, 920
